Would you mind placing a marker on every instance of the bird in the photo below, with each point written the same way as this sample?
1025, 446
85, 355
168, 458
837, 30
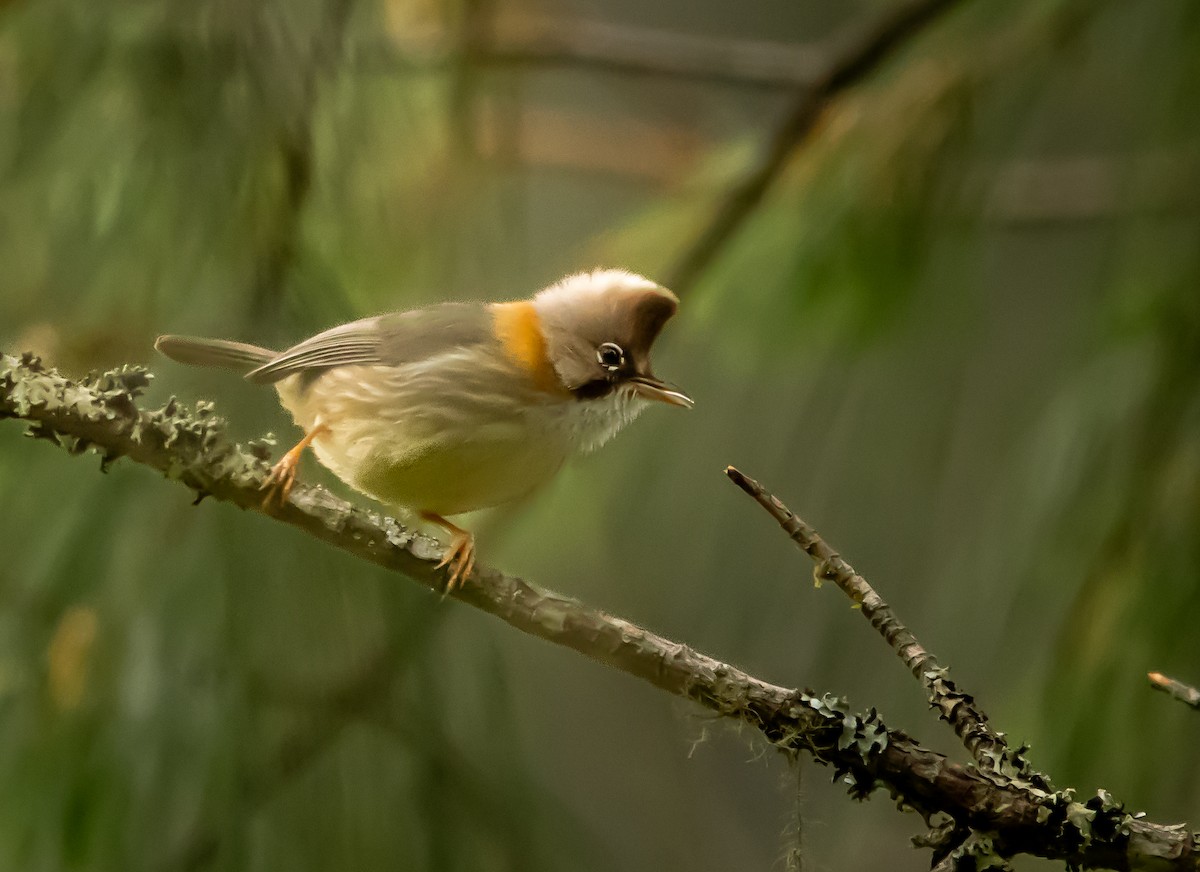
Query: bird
460, 406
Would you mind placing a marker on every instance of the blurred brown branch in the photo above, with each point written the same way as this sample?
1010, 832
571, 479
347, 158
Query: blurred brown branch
952, 704
295, 149
532, 43
858, 61
640, 51
101, 413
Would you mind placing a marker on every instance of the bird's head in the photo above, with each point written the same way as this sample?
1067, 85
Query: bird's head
599, 327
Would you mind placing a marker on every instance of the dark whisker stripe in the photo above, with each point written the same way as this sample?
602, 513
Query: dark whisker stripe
594, 389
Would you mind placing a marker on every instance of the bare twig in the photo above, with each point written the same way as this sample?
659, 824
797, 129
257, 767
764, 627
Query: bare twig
101, 413
859, 61
953, 705
1185, 693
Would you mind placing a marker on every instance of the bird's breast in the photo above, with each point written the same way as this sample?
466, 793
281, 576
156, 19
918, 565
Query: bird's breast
450, 434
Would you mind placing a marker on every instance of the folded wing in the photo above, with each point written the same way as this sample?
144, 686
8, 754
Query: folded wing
389, 340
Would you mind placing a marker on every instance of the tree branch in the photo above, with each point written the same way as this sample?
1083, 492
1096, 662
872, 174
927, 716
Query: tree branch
639, 51
101, 413
953, 705
860, 60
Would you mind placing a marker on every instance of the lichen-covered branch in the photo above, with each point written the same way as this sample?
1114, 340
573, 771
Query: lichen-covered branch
952, 704
101, 413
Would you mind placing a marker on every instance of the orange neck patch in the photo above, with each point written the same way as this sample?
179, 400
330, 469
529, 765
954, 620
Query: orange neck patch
520, 333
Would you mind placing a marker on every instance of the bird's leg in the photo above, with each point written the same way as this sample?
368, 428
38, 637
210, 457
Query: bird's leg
460, 555
279, 481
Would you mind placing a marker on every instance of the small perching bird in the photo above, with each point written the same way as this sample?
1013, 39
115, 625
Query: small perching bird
462, 406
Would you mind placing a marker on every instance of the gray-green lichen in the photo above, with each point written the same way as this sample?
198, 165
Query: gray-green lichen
100, 412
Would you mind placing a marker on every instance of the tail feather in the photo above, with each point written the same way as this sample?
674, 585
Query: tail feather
221, 353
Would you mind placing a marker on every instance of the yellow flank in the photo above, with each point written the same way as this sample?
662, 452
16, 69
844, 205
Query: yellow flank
450, 478
520, 332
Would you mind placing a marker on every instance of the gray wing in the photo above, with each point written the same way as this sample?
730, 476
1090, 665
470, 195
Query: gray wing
386, 339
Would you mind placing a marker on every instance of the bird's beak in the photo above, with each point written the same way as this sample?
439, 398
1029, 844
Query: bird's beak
653, 389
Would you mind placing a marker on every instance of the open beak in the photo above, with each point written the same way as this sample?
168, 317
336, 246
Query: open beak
653, 389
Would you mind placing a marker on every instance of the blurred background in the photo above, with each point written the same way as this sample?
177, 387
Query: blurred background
960, 335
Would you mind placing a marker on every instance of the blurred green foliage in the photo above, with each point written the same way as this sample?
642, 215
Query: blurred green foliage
961, 337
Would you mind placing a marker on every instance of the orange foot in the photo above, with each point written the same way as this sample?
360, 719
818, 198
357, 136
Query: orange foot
460, 555
282, 477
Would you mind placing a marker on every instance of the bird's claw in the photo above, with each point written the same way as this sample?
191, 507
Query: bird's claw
280, 480
460, 557
282, 477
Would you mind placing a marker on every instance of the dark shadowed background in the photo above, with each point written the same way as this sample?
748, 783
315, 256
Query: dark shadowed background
960, 336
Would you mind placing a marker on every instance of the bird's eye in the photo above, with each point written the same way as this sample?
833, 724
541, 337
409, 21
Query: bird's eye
611, 356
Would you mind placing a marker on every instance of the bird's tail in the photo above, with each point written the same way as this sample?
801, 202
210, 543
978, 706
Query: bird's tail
214, 352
